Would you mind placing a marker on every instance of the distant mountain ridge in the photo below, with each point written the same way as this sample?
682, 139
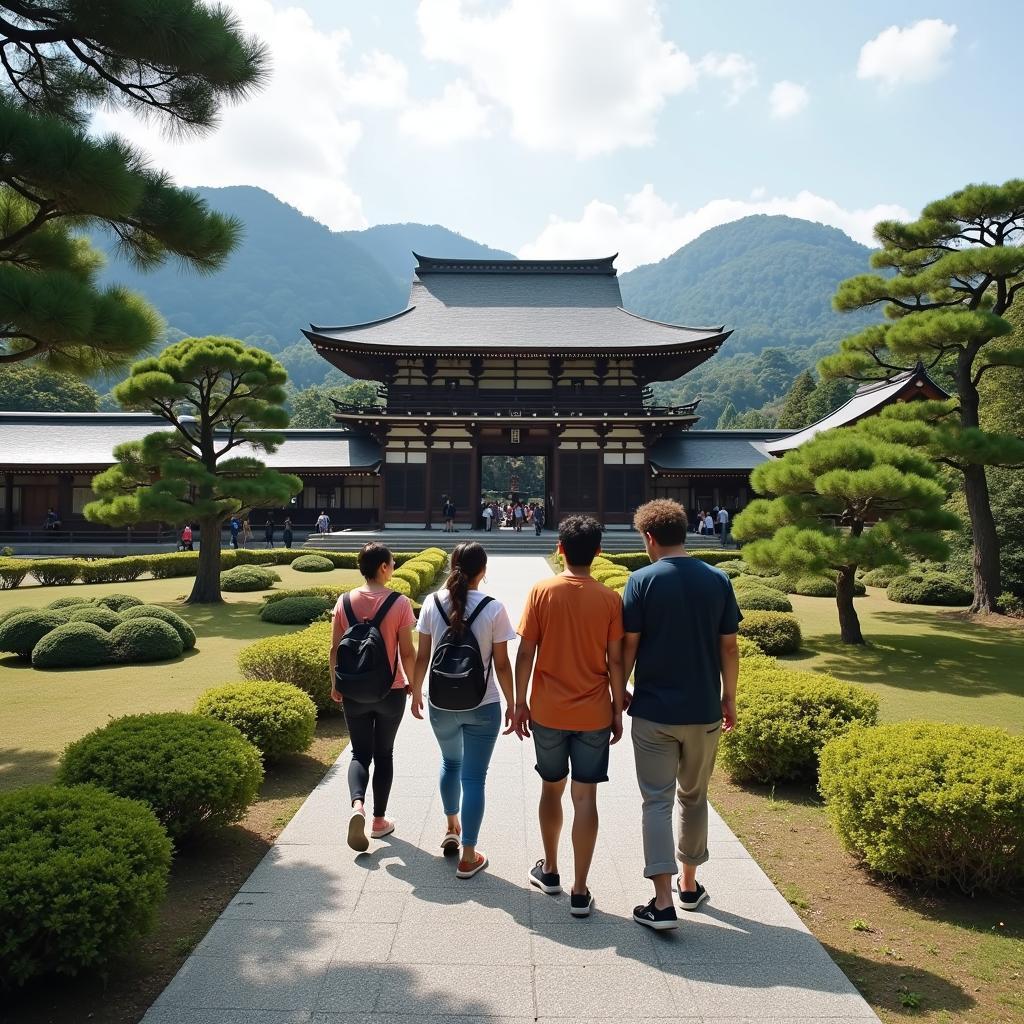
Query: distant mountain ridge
768, 278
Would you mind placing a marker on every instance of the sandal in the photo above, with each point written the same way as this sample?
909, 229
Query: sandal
468, 871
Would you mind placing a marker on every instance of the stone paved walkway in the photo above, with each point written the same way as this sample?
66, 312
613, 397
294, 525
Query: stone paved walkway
319, 935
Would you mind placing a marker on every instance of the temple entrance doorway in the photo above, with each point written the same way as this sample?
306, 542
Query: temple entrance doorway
520, 478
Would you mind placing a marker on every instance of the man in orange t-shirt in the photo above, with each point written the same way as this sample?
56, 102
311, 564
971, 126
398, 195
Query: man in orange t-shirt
573, 626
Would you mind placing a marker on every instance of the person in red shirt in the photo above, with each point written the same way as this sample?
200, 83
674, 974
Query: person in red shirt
372, 727
572, 626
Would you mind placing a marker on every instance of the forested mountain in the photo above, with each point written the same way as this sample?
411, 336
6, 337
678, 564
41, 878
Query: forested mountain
288, 272
771, 279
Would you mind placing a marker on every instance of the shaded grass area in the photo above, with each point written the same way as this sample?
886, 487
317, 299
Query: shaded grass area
913, 953
44, 711
922, 662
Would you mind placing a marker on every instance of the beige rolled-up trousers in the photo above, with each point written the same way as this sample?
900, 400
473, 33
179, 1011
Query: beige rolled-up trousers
673, 766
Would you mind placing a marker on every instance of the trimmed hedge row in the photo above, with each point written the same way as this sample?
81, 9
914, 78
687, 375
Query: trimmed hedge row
51, 572
930, 802
638, 559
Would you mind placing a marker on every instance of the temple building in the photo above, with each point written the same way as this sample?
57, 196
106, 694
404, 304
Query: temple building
523, 358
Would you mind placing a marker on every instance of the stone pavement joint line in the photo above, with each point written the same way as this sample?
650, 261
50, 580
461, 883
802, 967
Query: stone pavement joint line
319, 935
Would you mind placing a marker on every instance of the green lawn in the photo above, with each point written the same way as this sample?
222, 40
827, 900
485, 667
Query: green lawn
41, 712
922, 662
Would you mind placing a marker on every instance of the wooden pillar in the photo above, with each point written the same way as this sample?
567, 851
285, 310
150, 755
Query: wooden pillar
65, 496
475, 485
8, 501
427, 430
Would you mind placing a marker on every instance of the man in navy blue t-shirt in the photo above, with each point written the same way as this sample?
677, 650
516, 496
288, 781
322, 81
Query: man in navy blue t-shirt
680, 617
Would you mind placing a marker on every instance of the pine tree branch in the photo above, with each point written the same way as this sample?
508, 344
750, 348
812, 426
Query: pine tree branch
31, 35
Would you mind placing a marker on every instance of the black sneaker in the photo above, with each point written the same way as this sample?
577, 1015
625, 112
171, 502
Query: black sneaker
580, 904
691, 899
547, 881
651, 917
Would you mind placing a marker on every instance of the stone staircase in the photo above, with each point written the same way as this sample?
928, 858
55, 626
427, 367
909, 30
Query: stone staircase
497, 542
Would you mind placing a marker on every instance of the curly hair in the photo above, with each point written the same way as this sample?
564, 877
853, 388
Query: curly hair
665, 520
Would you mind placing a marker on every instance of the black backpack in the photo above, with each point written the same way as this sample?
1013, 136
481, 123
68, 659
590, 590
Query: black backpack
362, 672
458, 679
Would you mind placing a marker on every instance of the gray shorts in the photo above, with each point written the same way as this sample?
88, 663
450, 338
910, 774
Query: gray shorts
585, 751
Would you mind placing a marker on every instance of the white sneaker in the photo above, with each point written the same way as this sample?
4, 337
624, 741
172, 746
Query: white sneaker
357, 832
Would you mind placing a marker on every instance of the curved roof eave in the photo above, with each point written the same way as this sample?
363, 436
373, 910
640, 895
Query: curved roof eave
366, 323
675, 327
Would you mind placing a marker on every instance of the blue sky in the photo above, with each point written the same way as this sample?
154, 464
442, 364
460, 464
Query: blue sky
558, 127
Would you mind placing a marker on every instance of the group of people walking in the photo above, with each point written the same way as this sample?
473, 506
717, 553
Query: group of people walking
579, 642
241, 532
714, 522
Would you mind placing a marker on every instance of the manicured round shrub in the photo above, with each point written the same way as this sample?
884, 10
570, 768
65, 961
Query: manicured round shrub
9, 613
297, 658
312, 563
118, 602
277, 717
194, 772
773, 632
757, 582
632, 559
69, 602
328, 593
20, 633
753, 598
82, 873
94, 613
778, 581
930, 802
883, 575
74, 645
173, 619
815, 586
784, 718
12, 572
424, 574
733, 569
603, 573
714, 557
245, 578
934, 588
293, 611
145, 639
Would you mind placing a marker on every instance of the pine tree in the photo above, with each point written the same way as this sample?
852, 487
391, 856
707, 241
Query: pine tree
950, 277
218, 396
178, 61
821, 506
794, 408
727, 418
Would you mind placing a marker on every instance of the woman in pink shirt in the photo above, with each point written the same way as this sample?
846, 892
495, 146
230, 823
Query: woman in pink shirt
372, 727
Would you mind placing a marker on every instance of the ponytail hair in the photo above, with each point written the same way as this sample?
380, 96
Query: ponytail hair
468, 561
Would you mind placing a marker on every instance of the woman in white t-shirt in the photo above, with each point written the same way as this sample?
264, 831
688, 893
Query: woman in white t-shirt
466, 738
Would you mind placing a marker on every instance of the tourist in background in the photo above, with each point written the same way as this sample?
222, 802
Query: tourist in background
246, 532
186, 538
723, 526
466, 737
323, 524
235, 527
573, 626
488, 515
449, 512
517, 517
287, 532
680, 616
268, 531
538, 519
372, 727
709, 525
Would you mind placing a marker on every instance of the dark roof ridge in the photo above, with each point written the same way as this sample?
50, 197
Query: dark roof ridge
666, 323
364, 323
445, 265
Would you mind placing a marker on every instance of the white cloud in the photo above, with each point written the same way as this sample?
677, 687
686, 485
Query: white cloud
916, 53
787, 99
647, 228
734, 68
295, 137
587, 76
456, 115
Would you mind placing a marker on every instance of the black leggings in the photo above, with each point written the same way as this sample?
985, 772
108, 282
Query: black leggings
372, 729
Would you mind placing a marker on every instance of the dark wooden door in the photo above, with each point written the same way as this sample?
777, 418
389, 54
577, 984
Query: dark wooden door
36, 499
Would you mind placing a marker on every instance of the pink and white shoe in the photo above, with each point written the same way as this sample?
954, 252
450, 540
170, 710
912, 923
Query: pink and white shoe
357, 831
382, 827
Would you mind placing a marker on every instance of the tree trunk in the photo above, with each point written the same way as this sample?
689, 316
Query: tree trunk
849, 623
206, 589
987, 583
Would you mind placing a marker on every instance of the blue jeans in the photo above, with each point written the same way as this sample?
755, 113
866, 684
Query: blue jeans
466, 739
